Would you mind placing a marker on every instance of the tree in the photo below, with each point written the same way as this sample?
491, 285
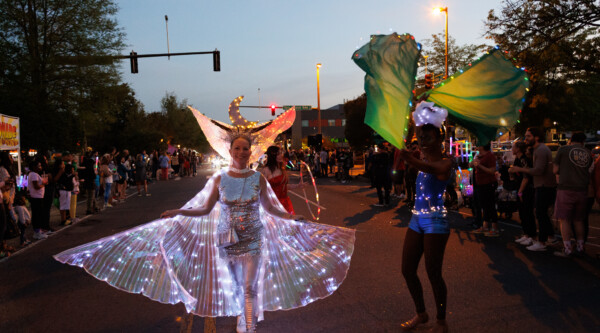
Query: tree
48, 94
181, 127
358, 134
459, 56
557, 42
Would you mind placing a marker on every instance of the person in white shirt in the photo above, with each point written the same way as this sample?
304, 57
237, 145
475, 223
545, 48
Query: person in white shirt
36, 187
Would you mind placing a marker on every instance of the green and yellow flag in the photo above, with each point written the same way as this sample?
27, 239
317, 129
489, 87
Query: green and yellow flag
484, 97
390, 63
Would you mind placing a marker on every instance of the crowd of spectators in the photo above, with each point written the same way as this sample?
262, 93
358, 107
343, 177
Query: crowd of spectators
57, 180
543, 189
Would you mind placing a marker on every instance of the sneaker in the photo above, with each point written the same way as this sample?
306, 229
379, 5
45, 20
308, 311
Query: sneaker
522, 239
68, 222
563, 254
25, 243
378, 205
481, 230
492, 233
527, 242
148, 194
553, 242
537, 246
108, 205
139, 194
39, 235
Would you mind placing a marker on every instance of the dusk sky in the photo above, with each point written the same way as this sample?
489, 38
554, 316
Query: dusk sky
274, 46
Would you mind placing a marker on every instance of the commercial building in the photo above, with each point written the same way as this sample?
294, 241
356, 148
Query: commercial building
333, 125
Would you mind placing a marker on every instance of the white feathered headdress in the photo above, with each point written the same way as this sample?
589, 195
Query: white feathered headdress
427, 113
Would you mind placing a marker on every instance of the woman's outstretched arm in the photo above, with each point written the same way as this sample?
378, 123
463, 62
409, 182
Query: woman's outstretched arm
208, 205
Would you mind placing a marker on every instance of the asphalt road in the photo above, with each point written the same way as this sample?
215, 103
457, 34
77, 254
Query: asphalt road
494, 284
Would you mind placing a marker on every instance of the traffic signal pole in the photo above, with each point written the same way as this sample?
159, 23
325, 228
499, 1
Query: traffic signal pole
133, 56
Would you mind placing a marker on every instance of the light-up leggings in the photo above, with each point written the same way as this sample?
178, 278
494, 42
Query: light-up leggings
244, 270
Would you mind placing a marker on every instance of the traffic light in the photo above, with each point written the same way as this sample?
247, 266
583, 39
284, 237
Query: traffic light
428, 81
133, 62
273, 107
217, 61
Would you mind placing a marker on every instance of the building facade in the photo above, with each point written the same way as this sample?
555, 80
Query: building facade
333, 125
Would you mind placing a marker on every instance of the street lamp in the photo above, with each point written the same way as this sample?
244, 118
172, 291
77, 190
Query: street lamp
319, 97
438, 10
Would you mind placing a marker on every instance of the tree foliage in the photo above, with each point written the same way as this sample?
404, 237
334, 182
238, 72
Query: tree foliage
46, 94
557, 41
459, 56
358, 134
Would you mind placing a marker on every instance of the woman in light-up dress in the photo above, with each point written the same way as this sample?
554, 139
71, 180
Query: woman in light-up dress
272, 260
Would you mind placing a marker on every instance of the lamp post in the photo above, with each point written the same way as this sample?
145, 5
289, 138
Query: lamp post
445, 10
319, 97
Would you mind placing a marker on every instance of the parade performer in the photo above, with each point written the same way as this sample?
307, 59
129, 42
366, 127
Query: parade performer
275, 172
428, 229
232, 250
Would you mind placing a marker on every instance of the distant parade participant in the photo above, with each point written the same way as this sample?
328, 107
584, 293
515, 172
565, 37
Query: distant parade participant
275, 172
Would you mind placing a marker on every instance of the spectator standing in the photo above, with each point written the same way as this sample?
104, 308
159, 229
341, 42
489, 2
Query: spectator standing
22, 216
106, 179
525, 194
175, 163
323, 155
382, 173
140, 175
65, 187
164, 165
544, 182
88, 176
7, 176
484, 166
36, 186
572, 165
122, 176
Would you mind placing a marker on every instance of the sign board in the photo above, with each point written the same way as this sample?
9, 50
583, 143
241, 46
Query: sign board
9, 132
298, 107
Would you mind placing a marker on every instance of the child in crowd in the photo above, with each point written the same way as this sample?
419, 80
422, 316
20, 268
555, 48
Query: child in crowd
21, 214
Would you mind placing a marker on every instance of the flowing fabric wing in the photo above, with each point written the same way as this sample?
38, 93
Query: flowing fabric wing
176, 260
215, 134
390, 63
484, 97
264, 135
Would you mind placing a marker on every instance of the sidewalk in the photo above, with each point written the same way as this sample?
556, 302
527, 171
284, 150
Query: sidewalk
55, 220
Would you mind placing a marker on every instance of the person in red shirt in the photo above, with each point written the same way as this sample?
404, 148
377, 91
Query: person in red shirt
484, 166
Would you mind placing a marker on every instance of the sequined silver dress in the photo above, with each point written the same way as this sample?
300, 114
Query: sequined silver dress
177, 260
240, 201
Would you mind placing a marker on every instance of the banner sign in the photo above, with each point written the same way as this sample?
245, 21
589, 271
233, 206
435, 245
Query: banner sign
9, 132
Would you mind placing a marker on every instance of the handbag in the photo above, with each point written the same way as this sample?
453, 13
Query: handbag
227, 236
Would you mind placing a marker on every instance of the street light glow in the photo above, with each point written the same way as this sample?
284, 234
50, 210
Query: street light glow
439, 10
319, 65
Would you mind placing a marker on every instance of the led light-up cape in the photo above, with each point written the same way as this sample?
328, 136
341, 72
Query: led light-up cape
177, 260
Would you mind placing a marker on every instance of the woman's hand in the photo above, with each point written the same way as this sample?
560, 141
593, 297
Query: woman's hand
169, 213
297, 218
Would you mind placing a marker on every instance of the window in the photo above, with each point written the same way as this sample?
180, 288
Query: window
331, 122
304, 123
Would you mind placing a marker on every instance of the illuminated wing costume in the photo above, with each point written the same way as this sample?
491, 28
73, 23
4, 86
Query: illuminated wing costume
177, 260
483, 98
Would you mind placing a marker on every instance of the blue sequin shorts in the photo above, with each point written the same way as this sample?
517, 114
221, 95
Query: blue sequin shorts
429, 224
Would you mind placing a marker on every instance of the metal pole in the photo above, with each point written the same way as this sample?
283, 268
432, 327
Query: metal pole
319, 97
167, 25
446, 10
